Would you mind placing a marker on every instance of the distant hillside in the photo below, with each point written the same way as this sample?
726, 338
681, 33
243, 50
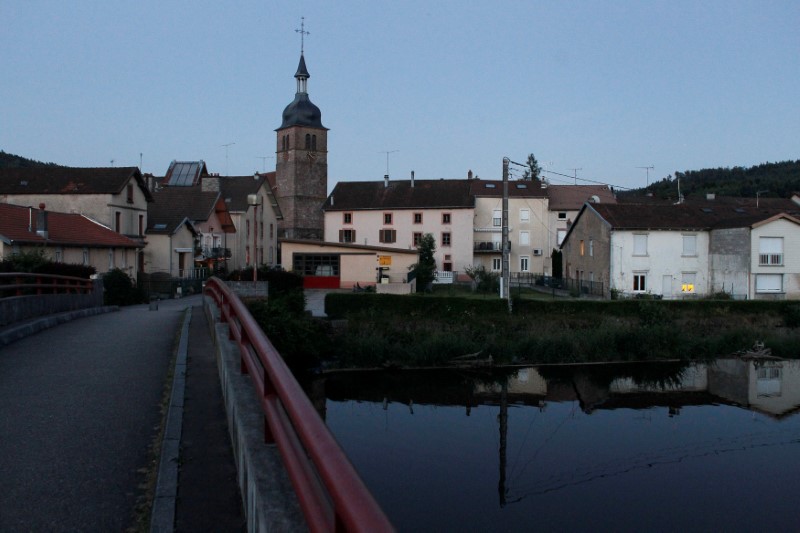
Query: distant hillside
15, 161
776, 180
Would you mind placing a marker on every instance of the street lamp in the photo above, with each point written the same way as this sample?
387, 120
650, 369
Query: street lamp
252, 199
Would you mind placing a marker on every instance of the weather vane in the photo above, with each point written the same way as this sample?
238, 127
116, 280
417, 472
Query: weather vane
302, 31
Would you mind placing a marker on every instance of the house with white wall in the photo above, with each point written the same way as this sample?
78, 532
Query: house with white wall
397, 213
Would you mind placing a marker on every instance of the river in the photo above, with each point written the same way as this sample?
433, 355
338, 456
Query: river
642, 447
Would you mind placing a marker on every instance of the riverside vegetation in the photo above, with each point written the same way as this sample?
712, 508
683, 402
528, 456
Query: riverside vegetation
381, 330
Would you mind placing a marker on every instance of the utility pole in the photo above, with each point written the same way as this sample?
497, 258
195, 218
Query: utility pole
575, 174
505, 285
648, 169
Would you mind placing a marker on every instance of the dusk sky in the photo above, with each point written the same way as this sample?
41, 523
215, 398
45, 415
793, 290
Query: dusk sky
446, 86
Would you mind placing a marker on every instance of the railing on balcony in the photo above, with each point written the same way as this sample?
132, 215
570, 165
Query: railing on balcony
216, 253
331, 494
489, 246
770, 259
445, 277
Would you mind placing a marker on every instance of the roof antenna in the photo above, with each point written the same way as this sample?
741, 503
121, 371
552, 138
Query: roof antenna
302, 31
387, 152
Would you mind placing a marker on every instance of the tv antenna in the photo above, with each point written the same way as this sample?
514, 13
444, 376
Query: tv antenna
226, 156
575, 174
648, 169
263, 159
112, 162
387, 152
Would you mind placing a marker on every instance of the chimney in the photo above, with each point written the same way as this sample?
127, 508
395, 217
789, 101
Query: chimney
210, 183
385, 180
41, 222
469, 175
331, 200
412, 179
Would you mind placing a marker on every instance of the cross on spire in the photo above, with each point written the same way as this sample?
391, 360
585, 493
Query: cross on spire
302, 31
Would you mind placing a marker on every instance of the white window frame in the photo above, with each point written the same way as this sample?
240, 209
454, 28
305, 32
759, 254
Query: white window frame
524, 215
591, 247
524, 238
524, 263
639, 284
640, 244
561, 234
770, 251
497, 264
689, 246
497, 218
769, 283
688, 282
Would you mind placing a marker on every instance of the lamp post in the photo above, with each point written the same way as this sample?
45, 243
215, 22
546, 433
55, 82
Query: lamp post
252, 199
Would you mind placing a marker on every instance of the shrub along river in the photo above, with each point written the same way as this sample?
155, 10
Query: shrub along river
615, 447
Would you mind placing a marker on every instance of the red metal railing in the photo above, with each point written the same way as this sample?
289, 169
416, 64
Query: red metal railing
331, 494
25, 283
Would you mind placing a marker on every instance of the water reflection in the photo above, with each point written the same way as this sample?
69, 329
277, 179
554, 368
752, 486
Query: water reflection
613, 447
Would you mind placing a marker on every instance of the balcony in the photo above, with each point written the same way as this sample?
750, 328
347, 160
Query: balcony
216, 253
489, 247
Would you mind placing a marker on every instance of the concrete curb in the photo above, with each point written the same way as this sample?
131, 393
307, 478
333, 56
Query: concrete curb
269, 500
16, 332
162, 515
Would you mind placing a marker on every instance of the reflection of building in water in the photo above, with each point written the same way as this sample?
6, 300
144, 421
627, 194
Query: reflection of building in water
768, 386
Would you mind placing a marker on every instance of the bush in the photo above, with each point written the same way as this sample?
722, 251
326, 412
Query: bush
119, 289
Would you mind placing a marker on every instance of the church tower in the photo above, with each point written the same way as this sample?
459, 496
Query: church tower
301, 168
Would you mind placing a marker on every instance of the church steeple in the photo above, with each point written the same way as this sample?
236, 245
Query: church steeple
302, 112
302, 75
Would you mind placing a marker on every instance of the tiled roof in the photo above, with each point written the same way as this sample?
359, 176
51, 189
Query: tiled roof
681, 217
430, 194
236, 188
67, 180
64, 229
516, 188
717, 202
572, 197
173, 205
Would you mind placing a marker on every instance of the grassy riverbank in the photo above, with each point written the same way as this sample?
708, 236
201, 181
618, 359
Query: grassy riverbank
419, 331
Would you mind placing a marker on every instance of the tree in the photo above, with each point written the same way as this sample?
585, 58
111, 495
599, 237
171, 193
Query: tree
424, 270
534, 171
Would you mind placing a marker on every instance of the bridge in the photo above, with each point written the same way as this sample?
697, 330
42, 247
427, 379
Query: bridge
147, 418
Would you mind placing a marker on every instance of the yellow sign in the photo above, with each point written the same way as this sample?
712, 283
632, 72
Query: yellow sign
385, 260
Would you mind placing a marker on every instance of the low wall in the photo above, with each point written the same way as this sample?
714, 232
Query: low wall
19, 308
395, 288
268, 497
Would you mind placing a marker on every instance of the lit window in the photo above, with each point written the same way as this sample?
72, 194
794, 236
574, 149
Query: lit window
583, 251
688, 280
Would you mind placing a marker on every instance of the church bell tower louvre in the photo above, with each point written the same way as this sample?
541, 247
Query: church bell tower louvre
301, 169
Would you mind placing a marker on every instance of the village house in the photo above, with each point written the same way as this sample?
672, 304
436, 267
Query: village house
686, 250
65, 238
116, 197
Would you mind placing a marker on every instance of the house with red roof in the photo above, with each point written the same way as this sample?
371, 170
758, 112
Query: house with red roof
66, 238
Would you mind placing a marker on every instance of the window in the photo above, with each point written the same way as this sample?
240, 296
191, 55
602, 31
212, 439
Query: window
689, 245
417, 218
247, 228
130, 193
445, 218
85, 256
387, 235
591, 247
308, 141
524, 215
496, 264
348, 218
59, 254
562, 216
261, 230
640, 244
247, 255
524, 238
497, 218
523, 263
117, 221
417, 238
582, 247
313, 143
560, 234
769, 282
316, 264
270, 230
688, 282
387, 218
141, 225
347, 235
447, 266
110, 258
445, 239
770, 251
639, 282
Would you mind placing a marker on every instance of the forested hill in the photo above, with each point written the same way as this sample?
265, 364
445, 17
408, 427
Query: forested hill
770, 179
15, 161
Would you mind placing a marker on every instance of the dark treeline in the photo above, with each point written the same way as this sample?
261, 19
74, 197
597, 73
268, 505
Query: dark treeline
776, 180
14, 161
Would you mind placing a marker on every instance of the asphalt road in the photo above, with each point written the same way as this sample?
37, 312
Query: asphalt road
79, 407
